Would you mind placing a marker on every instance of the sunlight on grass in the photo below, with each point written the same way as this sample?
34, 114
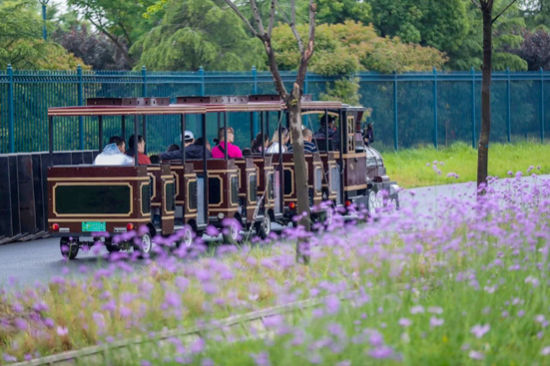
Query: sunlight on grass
427, 166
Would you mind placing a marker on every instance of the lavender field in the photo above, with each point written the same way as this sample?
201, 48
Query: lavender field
461, 280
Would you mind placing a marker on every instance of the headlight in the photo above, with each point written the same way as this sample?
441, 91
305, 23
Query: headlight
221, 216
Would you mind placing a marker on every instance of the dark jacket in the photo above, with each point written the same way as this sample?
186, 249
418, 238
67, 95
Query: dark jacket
191, 152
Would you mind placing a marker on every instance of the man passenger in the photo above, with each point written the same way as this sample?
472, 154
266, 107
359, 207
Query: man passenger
192, 151
113, 153
309, 146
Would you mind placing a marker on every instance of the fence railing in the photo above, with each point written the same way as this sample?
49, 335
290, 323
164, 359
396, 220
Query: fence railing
436, 108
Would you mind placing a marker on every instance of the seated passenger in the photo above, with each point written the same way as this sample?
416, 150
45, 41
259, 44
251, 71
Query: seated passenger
328, 123
200, 142
192, 151
233, 151
277, 146
113, 153
260, 143
309, 146
142, 158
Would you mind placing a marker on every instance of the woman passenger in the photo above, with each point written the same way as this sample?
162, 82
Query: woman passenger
233, 151
276, 145
260, 143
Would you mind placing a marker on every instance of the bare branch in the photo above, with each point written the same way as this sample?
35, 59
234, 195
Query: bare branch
240, 15
502, 12
293, 27
476, 3
258, 19
272, 17
306, 55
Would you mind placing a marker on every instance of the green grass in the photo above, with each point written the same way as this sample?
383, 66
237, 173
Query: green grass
414, 167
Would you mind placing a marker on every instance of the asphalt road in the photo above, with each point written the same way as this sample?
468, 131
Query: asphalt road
28, 263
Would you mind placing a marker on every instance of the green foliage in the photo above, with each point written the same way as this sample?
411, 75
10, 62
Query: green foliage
338, 11
196, 33
345, 90
21, 43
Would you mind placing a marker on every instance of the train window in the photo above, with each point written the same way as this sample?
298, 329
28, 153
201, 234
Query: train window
192, 194
170, 197
252, 187
318, 180
146, 198
234, 190
214, 190
334, 179
92, 199
270, 186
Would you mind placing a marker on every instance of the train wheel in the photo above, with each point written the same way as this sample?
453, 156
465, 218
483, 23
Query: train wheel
263, 228
145, 244
111, 248
187, 237
69, 247
374, 203
230, 234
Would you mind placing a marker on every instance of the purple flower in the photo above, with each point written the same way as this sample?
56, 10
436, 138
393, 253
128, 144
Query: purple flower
171, 300
476, 355
261, 359
62, 331
480, 330
381, 352
197, 346
436, 322
332, 304
545, 351
418, 309
404, 322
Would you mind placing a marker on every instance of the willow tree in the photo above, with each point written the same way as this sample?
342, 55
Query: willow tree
292, 99
486, 7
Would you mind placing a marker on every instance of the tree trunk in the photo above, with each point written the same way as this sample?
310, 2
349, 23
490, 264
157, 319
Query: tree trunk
483, 146
300, 169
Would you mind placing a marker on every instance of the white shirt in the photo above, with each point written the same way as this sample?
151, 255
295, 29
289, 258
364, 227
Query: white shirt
274, 148
111, 155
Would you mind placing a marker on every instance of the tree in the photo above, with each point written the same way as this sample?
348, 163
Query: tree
196, 33
21, 43
535, 50
293, 98
123, 22
486, 7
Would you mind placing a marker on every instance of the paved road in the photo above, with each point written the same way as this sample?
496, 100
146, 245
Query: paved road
27, 263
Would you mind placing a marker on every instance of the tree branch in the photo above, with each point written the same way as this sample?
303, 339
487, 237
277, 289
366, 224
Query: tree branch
258, 19
293, 27
272, 17
502, 12
306, 55
240, 15
476, 3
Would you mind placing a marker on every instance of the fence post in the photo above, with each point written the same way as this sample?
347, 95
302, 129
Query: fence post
435, 106
508, 107
10, 110
201, 74
473, 73
80, 102
541, 105
143, 81
395, 119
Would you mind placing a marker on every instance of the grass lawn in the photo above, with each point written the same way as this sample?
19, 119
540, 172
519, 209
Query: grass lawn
427, 166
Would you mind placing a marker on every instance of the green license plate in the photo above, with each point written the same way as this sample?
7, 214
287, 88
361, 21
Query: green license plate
93, 226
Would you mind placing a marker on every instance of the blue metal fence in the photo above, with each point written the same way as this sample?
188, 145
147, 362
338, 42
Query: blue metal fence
436, 108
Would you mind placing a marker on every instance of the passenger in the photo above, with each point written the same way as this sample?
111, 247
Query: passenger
332, 131
200, 142
113, 153
368, 134
277, 146
155, 159
260, 143
309, 146
192, 151
142, 158
233, 151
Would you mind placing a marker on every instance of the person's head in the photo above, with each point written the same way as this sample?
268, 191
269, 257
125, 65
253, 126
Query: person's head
327, 119
308, 134
260, 142
155, 159
285, 136
200, 142
188, 137
140, 145
173, 147
119, 143
230, 134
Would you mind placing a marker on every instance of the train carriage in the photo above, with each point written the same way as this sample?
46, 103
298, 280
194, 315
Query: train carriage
90, 202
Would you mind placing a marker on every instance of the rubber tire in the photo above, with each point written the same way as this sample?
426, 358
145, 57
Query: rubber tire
111, 248
145, 249
187, 238
263, 228
72, 251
